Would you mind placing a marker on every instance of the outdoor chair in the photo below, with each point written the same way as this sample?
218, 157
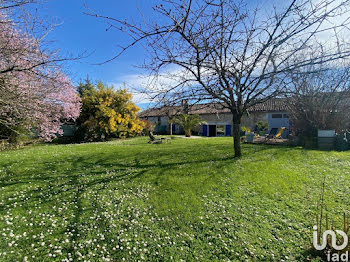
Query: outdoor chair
274, 134
280, 132
154, 140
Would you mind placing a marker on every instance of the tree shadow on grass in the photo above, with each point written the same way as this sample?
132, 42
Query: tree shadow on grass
90, 171
96, 165
97, 171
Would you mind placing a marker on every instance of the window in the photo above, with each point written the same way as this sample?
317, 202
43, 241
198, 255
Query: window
276, 115
285, 116
220, 130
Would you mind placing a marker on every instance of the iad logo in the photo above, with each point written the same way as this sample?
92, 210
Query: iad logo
333, 239
333, 236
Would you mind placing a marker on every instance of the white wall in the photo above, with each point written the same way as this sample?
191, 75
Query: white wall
226, 119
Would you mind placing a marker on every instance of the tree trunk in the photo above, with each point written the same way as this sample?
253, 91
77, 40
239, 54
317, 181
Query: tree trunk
171, 129
236, 131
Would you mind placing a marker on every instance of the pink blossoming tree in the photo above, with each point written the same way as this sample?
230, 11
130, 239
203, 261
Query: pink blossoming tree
35, 95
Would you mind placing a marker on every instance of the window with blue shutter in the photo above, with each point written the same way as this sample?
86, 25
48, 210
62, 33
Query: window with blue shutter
228, 130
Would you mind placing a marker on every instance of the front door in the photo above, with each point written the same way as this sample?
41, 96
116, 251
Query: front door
205, 130
212, 130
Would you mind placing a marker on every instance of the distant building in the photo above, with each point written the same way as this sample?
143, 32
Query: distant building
219, 119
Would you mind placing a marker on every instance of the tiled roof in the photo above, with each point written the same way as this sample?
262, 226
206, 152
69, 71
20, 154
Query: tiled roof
276, 104
273, 105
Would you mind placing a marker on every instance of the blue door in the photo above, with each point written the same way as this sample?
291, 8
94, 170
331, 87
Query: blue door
205, 130
173, 127
228, 130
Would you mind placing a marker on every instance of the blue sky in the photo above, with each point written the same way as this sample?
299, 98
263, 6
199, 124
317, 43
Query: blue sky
82, 33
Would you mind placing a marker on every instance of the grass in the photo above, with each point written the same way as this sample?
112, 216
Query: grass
187, 200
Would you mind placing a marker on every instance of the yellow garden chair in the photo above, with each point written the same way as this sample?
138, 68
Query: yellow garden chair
280, 132
276, 135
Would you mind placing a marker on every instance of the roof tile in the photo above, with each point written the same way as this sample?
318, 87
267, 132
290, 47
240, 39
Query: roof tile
276, 104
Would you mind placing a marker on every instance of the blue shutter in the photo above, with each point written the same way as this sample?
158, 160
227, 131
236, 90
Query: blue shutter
228, 130
205, 130
174, 128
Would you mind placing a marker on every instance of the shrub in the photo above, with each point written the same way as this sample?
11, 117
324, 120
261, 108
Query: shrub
262, 127
148, 126
244, 130
342, 142
108, 113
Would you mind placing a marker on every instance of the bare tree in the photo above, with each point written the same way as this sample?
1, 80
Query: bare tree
319, 98
234, 54
11, 4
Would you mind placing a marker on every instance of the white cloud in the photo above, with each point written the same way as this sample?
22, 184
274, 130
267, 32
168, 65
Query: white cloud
144, 87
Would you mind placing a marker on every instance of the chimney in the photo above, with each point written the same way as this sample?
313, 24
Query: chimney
184, 104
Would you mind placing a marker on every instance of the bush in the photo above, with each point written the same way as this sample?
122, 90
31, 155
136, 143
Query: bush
342, 142
107, 113
21, 141
262, 132
262, 127
4, 145
147, 127
308, 142
244, 130
64, 140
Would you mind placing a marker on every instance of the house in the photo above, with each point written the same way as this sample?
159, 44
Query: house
219, 119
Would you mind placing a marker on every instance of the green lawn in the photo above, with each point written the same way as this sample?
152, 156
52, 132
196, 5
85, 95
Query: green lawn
187, 200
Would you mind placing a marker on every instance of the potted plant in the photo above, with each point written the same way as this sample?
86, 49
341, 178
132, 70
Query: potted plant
249, 136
